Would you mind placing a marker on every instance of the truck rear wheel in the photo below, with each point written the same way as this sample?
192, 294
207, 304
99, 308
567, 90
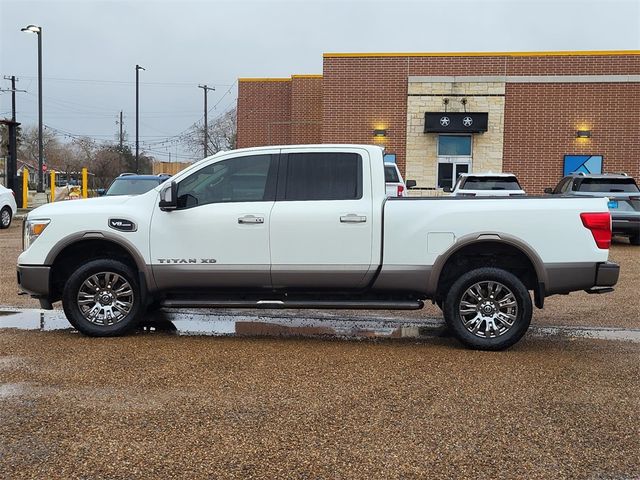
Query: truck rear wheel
102, 298
488, 309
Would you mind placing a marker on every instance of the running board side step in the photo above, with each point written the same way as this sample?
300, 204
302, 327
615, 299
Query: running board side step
332, 304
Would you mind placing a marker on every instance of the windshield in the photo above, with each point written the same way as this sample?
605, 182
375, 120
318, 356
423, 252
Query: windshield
391, 175
611, 185
491, 183
132, 186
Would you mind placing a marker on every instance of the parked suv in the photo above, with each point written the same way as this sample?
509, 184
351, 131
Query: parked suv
621, 190
132, 184
486, 185
394, 181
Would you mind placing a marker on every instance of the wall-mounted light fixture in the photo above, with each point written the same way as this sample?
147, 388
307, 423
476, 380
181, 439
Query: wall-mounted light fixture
583, 133
380, 132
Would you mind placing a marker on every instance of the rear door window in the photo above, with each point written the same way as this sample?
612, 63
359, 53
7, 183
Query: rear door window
323, 176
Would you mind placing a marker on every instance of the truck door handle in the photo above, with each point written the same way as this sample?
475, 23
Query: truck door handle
251, 219
353, 218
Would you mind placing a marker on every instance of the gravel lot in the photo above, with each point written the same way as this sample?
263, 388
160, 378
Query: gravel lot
159, 406
618, 309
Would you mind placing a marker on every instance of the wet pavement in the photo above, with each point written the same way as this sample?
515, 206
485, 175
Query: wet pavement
293, 324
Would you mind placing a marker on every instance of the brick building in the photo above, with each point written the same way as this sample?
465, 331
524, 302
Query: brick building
534, 114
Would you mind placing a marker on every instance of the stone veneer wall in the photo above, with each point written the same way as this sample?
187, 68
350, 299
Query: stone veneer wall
428, 96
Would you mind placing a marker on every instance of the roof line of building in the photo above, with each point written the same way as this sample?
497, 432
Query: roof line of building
264, 79
484, 54
308, 75
278, 79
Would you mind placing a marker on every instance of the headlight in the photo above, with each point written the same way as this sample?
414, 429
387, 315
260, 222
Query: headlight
32, 229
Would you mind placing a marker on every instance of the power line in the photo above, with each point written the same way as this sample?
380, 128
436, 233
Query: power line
123, 82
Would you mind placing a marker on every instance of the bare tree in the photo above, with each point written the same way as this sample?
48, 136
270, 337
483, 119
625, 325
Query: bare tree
222, 134
28, 144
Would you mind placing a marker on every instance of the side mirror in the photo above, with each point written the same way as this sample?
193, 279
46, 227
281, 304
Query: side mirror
446, 189
548, 190
168, 197
101, 192
411, 183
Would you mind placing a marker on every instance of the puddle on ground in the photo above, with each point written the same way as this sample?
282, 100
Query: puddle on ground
291, 324
237, 324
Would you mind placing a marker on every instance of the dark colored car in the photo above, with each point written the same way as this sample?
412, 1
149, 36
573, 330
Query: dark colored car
132, 184
621, 190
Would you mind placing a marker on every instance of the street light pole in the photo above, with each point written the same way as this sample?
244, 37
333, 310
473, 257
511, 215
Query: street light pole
206, 123
38, 31
138, 68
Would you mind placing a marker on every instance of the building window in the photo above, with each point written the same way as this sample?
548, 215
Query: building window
454, 158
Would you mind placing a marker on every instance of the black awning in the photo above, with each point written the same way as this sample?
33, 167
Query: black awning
455, 122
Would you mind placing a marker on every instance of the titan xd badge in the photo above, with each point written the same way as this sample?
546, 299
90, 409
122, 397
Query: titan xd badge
186, 260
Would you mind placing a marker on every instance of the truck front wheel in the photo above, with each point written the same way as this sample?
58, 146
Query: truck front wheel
488, 309
102, 298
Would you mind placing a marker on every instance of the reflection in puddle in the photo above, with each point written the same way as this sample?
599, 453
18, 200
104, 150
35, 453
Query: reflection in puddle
240, 324
290, 324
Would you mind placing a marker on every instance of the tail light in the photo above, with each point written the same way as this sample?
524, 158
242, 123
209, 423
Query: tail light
400, 190
600, 226
13, 193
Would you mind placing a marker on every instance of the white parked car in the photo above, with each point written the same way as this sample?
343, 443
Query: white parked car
8, 206
394, 181
311, 226
486, 185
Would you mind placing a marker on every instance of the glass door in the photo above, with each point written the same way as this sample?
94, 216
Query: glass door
454, 158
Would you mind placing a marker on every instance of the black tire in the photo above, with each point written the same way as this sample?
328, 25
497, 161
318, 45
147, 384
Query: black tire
634, 239
73, 311
491, 338
3, 217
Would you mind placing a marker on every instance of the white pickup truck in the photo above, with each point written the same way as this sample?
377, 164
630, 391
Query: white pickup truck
311, 227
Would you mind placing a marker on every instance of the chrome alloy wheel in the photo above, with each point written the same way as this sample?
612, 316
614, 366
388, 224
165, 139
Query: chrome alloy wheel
105, 298
488, 309
5, 218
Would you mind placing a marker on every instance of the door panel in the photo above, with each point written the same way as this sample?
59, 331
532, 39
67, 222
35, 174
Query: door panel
321, 243
212, 240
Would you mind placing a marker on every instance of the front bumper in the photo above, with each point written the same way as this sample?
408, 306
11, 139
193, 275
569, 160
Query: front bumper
34, 280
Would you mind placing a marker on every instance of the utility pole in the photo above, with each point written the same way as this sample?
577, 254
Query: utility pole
12, 163
121, 137
138, 68
206, 123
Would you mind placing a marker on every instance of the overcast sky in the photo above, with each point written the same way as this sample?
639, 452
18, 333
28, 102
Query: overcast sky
90, 49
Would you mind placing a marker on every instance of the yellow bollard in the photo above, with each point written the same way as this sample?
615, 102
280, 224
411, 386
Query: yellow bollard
25, 187
84, 182
53, 185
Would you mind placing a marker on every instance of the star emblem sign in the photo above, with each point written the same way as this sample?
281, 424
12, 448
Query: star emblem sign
444, 121
467, 121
